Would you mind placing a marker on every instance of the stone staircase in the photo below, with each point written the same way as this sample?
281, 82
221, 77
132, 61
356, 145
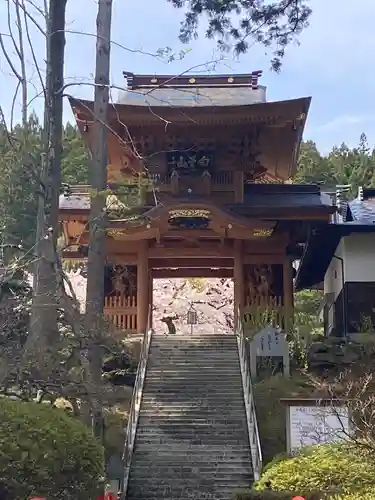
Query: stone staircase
192, 439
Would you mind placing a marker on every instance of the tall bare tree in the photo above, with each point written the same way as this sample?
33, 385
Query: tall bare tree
44, 329
97, 220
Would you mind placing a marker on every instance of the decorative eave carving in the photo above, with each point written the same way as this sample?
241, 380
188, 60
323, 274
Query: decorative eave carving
159, 222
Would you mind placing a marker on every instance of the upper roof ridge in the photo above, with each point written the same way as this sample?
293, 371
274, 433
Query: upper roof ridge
187, 81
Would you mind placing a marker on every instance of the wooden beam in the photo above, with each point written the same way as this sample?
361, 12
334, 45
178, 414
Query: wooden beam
194, 252
183, 263
263, 259
192, 272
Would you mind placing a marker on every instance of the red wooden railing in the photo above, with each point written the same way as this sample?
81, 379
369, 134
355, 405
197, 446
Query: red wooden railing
122, 311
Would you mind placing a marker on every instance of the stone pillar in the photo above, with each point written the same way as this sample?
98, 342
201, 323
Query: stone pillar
288, 293
238, 280
143, 293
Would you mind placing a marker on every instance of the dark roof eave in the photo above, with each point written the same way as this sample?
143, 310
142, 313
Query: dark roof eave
285, 210
266, 212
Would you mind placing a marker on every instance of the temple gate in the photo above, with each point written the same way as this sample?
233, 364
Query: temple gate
197, 187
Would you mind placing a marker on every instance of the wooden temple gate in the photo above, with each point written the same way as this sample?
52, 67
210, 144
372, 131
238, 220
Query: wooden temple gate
201, 192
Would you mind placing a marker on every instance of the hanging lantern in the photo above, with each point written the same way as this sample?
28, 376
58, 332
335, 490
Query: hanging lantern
191, 317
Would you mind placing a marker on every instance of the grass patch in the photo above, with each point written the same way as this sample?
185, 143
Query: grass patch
271, 414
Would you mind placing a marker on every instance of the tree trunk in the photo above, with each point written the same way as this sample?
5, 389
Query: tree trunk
44, 328
97, 220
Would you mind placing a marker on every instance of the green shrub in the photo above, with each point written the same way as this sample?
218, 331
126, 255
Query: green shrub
271, 414
275, 495
343, 469
45, 452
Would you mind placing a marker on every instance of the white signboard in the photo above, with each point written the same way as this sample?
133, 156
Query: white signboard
310, 425
269, 342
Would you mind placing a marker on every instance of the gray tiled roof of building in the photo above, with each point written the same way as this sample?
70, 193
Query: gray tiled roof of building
256, 195
362, 211
74, 202
194, 97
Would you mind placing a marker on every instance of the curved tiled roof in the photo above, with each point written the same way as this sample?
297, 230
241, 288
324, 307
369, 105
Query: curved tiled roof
193, 97
362, 211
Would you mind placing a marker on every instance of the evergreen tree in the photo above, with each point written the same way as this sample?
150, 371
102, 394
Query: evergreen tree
237, 23
342, 165
19, 185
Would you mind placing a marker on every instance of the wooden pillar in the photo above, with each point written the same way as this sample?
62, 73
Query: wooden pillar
238, 281
143, 293
288, 293
151, 297
239, 186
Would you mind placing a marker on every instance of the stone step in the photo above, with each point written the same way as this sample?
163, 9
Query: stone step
189, 490
206, 366
148, 445
214, 450
232, 345
232, 452
149, 403
216, 463
196, 346
187, 495
231, 467
235, 389
193, 368
196, 349
193, 373
189, 405
188, 431
206, 414
229, 476
211, 375
190, 422
211, 396
193, 338
161, 479
175, 384
205, 437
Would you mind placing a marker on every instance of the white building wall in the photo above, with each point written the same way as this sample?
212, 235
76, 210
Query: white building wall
359, 251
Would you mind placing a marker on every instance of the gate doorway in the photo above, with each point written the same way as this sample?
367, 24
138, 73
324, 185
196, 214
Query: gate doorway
210, 298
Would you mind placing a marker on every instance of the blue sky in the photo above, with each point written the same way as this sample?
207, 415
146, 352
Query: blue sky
333, 62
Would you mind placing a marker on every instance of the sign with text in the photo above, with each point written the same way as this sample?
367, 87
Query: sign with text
311, 425
270, 342
189, 162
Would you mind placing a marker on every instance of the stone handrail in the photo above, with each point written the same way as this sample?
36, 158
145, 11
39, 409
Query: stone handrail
136, 404
252, 423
